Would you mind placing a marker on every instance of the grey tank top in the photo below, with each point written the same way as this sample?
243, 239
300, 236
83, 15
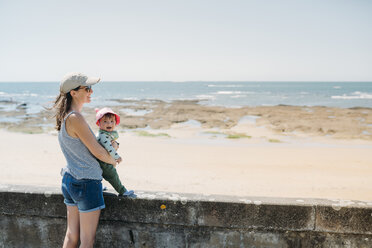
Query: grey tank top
81, 164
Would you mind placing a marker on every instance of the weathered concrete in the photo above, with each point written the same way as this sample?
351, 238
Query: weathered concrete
35, 217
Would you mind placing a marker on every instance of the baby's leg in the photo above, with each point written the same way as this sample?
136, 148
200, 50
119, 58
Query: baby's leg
110, 174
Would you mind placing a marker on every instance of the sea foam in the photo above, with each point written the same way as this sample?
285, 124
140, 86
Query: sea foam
225, 85
354, 95
227, 92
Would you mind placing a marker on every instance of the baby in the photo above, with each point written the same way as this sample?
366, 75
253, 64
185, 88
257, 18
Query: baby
107, 120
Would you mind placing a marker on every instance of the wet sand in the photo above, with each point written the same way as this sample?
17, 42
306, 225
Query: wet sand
338, 123
281, 151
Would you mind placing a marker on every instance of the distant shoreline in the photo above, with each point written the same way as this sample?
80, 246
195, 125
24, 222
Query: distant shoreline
340, 123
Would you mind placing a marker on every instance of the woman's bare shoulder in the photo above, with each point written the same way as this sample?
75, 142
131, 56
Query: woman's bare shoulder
76, 120
75, 116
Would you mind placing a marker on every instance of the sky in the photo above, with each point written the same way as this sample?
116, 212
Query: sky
189, 40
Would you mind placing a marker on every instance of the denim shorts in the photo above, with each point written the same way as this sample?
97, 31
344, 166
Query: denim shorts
86, 194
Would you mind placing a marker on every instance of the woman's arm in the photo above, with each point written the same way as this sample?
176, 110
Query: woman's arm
106, 141
77, 127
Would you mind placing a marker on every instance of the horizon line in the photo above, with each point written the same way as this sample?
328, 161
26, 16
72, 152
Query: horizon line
210, 81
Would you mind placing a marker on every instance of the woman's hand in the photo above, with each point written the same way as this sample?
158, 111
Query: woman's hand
119, 160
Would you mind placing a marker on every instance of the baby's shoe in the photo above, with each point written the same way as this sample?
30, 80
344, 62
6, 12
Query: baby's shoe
129, 194
104, 188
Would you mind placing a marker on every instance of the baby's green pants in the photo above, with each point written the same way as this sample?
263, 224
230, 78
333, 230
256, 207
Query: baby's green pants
111, 175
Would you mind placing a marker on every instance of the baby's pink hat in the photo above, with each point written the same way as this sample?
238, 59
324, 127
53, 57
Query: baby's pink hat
101, 112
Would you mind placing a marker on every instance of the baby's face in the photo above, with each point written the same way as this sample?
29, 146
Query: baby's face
107, 123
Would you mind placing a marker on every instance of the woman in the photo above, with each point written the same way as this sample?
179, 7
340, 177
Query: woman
81, 183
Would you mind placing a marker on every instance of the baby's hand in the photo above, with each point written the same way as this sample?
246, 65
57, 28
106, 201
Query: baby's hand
115, 145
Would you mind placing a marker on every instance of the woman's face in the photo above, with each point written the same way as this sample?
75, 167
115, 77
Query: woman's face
83, 94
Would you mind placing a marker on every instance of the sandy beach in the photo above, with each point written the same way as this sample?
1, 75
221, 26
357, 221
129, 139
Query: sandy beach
183, 146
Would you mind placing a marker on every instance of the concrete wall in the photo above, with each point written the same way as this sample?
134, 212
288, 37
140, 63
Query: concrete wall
36, 217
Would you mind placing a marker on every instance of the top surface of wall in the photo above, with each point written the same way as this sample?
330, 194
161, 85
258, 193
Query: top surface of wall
336, 216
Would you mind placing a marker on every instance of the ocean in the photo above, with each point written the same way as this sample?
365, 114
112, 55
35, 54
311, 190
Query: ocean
231, 94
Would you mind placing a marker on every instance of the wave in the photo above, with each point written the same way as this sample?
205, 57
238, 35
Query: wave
205, 97
4, 94
225, 85
227, 92
354, 95
131, 98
